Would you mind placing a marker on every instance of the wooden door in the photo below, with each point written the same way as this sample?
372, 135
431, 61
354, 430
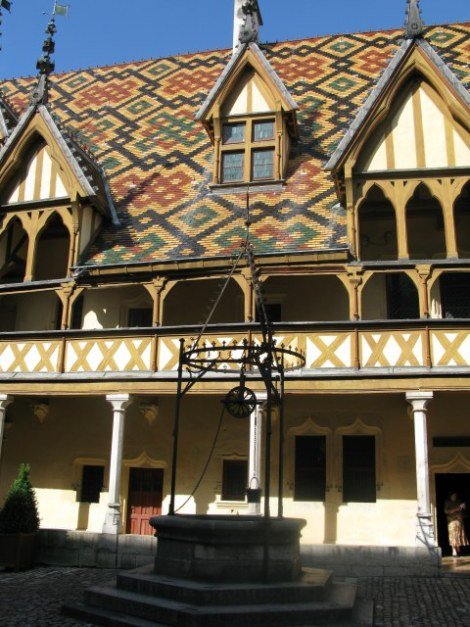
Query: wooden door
145, 499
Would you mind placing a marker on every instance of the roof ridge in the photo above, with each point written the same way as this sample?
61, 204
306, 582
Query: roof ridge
106, 66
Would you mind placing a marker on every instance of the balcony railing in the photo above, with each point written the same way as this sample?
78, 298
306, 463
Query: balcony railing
344, 347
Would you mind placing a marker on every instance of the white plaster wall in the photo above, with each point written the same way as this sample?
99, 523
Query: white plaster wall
107, 308
29, 312
374, 298
404, 139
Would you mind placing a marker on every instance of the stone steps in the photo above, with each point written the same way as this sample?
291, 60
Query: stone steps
100, 616
313, 586
108, 605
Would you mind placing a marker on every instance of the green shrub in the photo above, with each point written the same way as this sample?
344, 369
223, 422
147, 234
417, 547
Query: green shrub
20, 511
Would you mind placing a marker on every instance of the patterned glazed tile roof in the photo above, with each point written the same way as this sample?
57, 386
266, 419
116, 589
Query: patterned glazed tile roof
138, 120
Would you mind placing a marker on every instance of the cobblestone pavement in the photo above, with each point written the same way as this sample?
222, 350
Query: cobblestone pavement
33, 598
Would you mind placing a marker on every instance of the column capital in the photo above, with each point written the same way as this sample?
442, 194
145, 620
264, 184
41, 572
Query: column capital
119, 402
419, 400
5, 400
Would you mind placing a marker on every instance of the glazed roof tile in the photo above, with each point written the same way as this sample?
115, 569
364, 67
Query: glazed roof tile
139, 121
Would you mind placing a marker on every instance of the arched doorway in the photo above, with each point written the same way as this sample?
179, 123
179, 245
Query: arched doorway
52, 251
297, 298
425, 226
13, 253
377, 227
189, 302
34, 311
462, 222
450, 295
111, 307
390, 296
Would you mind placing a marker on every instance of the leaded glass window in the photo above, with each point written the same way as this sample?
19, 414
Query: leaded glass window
234, 133
263, 131
232, 166
263, 164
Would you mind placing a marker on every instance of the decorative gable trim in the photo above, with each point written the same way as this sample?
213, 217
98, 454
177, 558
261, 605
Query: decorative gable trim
383, 86
8, 119
247, 55
90, 184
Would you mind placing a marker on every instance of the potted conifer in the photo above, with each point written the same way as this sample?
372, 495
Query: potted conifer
19, 523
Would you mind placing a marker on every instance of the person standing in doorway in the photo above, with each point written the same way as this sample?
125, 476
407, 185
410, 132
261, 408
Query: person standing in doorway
454, 509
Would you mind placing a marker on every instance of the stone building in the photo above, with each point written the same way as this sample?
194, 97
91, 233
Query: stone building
123, 202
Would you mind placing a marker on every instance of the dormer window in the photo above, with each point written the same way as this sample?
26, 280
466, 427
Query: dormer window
248, 150
251, 120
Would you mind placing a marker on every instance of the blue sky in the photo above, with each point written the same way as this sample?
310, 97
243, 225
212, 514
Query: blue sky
102, 32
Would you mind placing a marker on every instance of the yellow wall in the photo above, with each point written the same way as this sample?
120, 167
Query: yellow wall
78, 431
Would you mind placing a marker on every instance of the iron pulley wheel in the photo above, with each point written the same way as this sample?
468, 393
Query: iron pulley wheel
240, 402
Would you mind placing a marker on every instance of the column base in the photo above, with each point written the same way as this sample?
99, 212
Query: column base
112, 519
254, 509
425, 531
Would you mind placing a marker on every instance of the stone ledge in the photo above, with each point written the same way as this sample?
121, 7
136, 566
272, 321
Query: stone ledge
81, 548
373, 561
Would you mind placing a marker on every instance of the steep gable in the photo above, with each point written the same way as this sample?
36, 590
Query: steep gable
419, 105
248, 84
38, 162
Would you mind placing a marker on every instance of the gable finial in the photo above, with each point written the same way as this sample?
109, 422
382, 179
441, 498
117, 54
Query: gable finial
247, 22
414, 23
45, 65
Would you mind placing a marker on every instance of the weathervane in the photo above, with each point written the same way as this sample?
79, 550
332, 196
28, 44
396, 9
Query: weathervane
4, 4
45, 65
414, 23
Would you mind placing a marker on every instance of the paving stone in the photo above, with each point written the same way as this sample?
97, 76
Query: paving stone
33, 598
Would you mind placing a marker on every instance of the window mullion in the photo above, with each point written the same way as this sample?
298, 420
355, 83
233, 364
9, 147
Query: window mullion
248, 148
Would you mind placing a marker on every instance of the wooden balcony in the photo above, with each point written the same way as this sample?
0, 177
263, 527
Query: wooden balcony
360, 348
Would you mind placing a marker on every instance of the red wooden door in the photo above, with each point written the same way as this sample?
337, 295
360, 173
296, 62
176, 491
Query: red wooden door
145, 499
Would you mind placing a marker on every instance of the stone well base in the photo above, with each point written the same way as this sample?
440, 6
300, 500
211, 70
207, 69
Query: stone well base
228, 548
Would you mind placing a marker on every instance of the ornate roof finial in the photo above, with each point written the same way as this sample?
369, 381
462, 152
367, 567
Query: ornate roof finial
247, 21
414, 24
45, 65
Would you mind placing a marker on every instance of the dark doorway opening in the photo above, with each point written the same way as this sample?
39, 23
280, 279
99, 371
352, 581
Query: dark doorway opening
445, 484
145, 499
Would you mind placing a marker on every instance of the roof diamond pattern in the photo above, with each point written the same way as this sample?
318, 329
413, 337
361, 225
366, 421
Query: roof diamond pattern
138, 119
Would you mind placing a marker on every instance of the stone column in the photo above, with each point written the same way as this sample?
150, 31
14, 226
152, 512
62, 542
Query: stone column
425, 530
5, 400
119, 403
254, 461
